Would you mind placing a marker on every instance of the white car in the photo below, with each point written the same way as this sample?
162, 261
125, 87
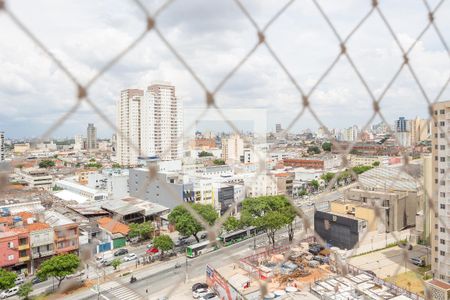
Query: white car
130, 257
210, 296
200, 293
8, 293
19, 280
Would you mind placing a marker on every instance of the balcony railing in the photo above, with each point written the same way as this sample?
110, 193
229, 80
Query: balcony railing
23, 247
24, 258
40, 254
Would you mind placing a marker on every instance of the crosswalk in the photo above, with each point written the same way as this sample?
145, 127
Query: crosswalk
121, 292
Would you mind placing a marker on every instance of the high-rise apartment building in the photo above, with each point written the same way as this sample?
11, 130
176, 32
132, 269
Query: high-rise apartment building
129, 126
232, 149
278, 128
79, 143
401, 125
149, 124
440, 224
420, 130
2, 146
91, 141
163, 113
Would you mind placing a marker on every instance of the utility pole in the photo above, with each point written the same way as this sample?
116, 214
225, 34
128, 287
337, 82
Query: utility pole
186, 270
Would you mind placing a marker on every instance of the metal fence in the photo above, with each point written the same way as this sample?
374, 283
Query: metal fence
304, 94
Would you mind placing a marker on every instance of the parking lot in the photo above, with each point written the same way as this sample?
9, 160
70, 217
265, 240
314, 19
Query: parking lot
389, 262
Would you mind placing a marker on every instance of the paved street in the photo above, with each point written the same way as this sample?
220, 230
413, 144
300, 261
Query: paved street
388, 262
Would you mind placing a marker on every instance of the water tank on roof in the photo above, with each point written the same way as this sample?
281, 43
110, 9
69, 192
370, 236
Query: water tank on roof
17, 219
30, 220
5, 212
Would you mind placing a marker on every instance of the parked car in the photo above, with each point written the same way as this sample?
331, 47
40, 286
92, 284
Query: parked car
321, 259
315, 248
200, 293
210, 296
8, 293
418, 261
372, 273
36, 280
76, 274
19, 280
199, 285
120, 252
203, 236
130, 257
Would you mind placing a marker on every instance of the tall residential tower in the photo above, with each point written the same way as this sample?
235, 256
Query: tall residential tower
2, 146
149, 124
91, 141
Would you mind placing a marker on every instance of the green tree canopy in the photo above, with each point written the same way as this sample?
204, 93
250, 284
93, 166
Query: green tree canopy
219, 162
232, 223
116, 263
186, 224
59, 267
142, 230
313, 150
315, 184
46, 163
327, 146
25, 290
327, 177
204, 154
361, 169
376, 163
7, 279
269, 212
116, 166
163, 243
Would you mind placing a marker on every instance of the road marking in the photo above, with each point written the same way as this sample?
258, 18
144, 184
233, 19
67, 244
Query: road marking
124, 293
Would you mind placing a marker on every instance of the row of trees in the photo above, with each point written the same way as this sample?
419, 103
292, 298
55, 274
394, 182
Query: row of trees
268, 212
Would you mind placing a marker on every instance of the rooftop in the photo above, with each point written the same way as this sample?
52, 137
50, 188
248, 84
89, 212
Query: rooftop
395, 178
76, 186
54, 218
113, 226
134, 205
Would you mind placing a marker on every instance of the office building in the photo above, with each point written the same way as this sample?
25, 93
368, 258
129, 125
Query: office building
401, 125
91, 141
278, 128
440, 224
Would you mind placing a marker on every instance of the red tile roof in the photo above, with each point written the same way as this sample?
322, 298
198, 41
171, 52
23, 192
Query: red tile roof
37, 226
6, 220
113, 226
440, 284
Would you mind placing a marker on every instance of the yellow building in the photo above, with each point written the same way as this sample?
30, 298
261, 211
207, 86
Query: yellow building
358, 210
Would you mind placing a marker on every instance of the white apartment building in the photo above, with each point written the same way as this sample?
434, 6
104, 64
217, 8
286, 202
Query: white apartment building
163, 112
2, 146
78, 143
440, 224
114, 183
232, 149
150, 124
129, 126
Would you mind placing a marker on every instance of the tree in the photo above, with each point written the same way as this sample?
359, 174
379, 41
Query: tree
327, 177
315, 184
46, 163
142, 230
270, 213
25, 290
93, 165
163, 243
204, 154
186, 224
219, 162
116, 166
7, 279
231, 224
116, 263
327, 146
361, 169
59, 267
313, 150
376, 163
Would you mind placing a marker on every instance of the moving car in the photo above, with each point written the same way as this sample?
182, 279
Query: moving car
130, 257
8, 293
200, 293
120, 252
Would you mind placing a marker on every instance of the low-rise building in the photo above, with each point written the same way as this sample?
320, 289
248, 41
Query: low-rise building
41, 243
36, 178
85, 191
65, 232
9, 243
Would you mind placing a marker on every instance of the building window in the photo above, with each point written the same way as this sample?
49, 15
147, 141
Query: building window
435, 112
436, 226
435, 135
442, 206
442, 111
22, 253
442, 241
442, 194
436, 170
442, 159
442, 147
442, 253
11, 257
436, 181
442, 229
442, 182
442, 135
435, 158
442, 171
435, 249
442, 123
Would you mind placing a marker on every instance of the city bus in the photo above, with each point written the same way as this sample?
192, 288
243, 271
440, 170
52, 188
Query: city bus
239, 235
199, 248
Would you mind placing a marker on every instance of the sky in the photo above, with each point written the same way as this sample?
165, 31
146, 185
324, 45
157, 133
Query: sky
212, 37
